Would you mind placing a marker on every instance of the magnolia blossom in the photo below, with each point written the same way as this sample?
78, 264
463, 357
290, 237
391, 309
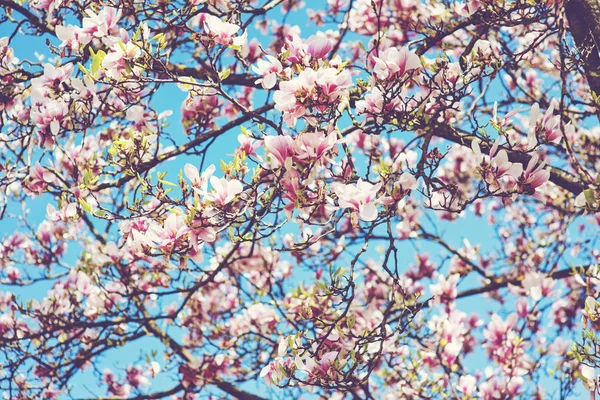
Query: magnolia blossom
319, 48
272, 373
199, 182
446, 289
496, 165
312, 145
318, 89
589, 377
374, 105
281, 148
53, 76
538, 285
297, 50
247, 145
49, 117
395, 62
320, 368
406, 182
506, 121
531, 136
38, 179
102, 24
222, 32
269, 70
534, 177
467, 384
117, 62
167, 236
550, 125
225, 190
360, 198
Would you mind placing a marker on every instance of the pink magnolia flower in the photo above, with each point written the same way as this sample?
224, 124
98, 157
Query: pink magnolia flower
323, 367
533, 117
135, 376
534, 177
550, 125
497, 330
372, 103
360, 198
502, 165
467, 384
333, 83
269, 70
69, 210
395, 63
498, 167
119, 59
166, 237
406, 182
199, 182
291, 183
48, 5
49, 117
312, 145
225, 190
538, 285
281, 148
445, 290
296, 48
319, 48
272, 373
472, 5
72, 37
506, 121
102, 24
247, 145
222, 32
201, 110
53, 76
38, 179
195, 252
589, 377
320, 89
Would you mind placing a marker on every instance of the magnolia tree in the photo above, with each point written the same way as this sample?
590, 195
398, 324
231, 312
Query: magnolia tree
402, 201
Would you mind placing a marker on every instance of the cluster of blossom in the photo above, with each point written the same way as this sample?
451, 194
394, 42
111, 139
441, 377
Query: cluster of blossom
289, 264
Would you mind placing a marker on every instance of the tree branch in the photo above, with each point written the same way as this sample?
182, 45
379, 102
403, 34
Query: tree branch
31, 17
558, 176
185, 147
203, 74
584, 24
153, 328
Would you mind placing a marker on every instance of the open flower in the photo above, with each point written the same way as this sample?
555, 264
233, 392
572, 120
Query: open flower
395, 62
359, 197
318, 89
534, 177
281, 148
269, 70
199, 182
225, 190
222, 32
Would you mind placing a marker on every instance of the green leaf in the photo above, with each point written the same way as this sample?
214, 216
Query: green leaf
351, 320
224, 74
589, 197
97, 62
86, 207
83, 69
